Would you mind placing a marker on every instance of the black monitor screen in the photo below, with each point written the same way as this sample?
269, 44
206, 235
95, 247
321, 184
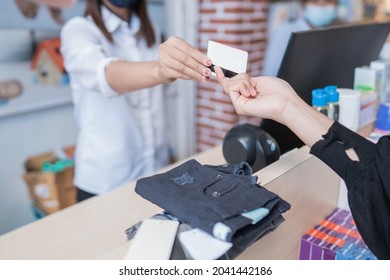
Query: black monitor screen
321, 57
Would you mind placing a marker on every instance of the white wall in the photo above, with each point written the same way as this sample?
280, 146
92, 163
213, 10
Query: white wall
15, 45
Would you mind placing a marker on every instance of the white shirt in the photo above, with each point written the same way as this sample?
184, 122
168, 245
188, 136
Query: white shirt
277, 44
122, 137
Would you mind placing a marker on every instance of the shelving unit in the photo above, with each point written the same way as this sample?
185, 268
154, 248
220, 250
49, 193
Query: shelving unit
39, 120
34, 97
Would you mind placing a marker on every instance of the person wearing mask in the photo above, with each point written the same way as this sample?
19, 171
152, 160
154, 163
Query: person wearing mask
315, 14
363, 165
117, 67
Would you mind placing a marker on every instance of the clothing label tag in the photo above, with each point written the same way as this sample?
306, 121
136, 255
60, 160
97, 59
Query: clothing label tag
202, 246
153, 240
221, 231
232, 61
256, 215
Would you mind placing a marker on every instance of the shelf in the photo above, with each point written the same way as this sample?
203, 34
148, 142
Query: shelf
34, 97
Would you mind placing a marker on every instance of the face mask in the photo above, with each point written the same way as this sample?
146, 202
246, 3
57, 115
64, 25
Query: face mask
320, 16
132, 4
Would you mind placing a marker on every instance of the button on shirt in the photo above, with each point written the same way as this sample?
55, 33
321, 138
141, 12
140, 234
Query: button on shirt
121, 136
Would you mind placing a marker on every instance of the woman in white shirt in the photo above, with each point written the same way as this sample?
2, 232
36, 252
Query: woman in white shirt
116, 69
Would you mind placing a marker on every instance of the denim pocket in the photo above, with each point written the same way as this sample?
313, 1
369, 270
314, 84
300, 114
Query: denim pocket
218, 187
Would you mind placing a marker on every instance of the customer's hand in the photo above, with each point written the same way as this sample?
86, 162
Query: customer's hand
268, 97
179, 60
275, 99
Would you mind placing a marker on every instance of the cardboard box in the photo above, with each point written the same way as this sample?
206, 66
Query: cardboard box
50, 191
35, 163
367, 80
368, 108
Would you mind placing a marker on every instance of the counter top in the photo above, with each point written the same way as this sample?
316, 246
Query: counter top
95, 228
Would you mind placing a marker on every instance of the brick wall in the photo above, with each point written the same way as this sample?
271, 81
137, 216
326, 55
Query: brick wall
240, 24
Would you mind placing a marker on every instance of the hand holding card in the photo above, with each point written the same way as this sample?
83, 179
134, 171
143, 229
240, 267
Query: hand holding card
179, 60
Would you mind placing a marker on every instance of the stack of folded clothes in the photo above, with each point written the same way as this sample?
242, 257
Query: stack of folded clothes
225, 201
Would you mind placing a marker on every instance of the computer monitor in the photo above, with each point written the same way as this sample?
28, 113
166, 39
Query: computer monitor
321, 57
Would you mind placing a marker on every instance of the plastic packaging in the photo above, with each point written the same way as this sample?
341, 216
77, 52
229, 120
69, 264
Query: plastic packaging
333, 102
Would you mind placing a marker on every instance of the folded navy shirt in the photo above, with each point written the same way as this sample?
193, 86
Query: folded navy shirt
214, 199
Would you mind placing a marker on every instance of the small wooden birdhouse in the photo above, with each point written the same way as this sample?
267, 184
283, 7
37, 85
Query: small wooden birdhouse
48, 63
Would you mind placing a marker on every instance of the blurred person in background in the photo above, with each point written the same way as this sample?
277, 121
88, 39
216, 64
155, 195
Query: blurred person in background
314, 14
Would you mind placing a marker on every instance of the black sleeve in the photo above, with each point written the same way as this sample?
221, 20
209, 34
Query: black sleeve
367, 181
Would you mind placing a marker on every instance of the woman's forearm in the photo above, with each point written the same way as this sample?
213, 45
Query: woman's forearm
125, 76
306, 122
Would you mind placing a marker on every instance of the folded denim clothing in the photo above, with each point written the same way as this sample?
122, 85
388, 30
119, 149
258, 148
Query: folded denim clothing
243, 169
211, 198
241, 242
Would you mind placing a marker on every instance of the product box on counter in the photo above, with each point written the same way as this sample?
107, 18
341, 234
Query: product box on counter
384, 67
368, 108
49, 178
369, 81
334, 238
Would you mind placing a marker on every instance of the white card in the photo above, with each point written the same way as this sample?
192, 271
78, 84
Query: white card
153, 241
202, 246
228, 58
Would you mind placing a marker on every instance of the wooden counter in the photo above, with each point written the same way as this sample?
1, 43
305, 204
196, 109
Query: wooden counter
95, 229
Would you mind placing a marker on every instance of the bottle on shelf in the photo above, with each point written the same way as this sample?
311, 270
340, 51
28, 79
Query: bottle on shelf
333, 102
319, 100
